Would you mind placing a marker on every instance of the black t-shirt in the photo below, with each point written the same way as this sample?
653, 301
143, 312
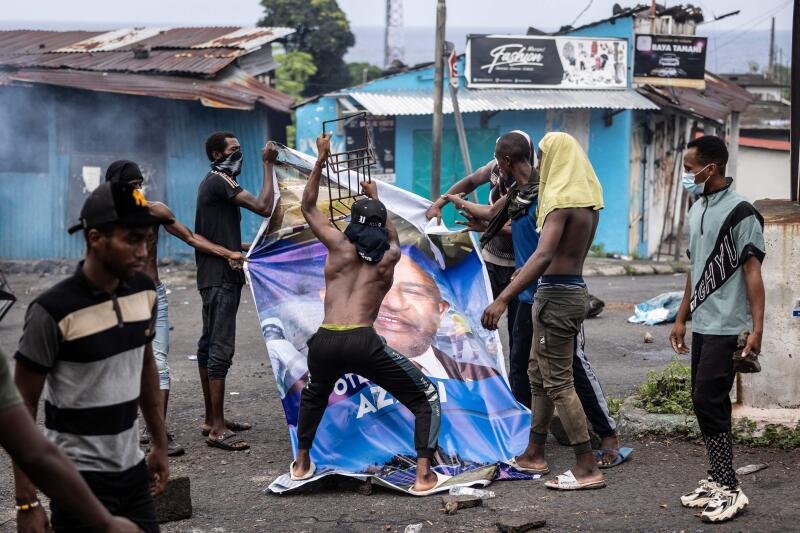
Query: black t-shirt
217, 219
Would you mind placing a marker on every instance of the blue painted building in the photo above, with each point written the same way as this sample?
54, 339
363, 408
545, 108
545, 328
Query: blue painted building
62, 123
601, 119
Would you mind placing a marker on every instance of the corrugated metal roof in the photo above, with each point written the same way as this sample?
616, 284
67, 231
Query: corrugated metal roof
238, 90
205, 62
112, 40
715, 102
247, 38
39, 42
204, 51
470, 101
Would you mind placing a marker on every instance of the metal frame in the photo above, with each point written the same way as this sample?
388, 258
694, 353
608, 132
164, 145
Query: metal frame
352, 164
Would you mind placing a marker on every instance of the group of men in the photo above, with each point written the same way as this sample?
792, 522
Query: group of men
550, 207
97, 342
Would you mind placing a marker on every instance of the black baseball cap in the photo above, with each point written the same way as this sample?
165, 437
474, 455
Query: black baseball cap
116, 202
369, 212
124, 170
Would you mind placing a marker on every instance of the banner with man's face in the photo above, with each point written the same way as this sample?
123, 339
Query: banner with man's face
431, 315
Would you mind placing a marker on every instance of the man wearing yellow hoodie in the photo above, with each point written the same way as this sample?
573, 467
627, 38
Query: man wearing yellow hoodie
570, 197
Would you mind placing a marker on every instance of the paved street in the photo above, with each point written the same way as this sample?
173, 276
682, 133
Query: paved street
227, 487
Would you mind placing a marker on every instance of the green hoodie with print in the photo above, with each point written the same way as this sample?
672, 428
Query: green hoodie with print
724, 231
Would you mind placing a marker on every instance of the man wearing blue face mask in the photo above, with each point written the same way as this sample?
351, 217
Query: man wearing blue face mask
217, 218
725, 296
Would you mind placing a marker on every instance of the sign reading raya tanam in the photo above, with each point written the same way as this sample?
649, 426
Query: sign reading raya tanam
676, 60
522, 61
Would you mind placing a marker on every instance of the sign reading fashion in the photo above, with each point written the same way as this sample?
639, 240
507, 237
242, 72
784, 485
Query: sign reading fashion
521, 61
676, 60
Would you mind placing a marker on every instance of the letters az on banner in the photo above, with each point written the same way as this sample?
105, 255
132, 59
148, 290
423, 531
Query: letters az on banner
431, 315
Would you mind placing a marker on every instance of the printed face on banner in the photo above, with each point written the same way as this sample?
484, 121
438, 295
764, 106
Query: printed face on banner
431, 315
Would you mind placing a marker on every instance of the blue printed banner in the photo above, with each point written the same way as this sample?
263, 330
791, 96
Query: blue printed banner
431, 315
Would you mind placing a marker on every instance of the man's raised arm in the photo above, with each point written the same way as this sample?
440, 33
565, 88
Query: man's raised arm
263, 203
317, 221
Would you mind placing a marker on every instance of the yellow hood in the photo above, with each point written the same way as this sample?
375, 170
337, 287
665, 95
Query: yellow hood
567, 178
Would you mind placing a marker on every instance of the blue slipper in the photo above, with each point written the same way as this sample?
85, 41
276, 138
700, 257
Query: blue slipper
622, 456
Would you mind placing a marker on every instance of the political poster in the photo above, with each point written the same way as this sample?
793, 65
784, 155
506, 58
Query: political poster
674, 60
522, 61
431, 315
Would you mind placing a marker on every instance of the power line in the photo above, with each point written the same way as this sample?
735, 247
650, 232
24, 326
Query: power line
581, 13
746, 27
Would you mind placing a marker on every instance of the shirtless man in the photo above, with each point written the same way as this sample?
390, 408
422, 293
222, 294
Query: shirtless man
358, 273
567, 223
129, 172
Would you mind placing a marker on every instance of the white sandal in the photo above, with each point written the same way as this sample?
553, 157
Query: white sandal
567, 481
305, 476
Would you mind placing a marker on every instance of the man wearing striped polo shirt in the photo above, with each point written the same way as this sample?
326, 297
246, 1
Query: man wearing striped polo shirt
86, 341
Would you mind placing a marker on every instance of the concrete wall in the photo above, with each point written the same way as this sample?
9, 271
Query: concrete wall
763, 174
778, 383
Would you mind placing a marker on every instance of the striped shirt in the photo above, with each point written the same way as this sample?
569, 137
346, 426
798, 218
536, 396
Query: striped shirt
91, 346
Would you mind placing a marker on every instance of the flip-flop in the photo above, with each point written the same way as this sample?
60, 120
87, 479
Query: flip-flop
312, 469
622, 456
226, 442
232, 425
441, 479
514, 464
567, 481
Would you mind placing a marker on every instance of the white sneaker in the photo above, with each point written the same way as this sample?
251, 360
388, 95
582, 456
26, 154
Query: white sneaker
725, 505
702, 495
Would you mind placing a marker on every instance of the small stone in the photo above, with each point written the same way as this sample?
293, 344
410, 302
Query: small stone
453, 503
648, 338
519, 525
175, 503
750, 469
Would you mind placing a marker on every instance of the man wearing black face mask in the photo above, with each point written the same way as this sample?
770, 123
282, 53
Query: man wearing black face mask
358, 274
218, 219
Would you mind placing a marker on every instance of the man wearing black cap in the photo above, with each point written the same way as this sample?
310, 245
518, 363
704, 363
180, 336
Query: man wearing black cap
128, 172
89, 339
358, 274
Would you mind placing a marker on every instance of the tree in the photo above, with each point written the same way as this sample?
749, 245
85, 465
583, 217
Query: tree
357, 72
321, 30
294, 70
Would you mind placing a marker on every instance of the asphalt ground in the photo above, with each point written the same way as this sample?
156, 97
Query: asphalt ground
227, 488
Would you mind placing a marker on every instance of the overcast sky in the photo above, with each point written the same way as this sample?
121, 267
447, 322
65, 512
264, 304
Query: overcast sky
513, 14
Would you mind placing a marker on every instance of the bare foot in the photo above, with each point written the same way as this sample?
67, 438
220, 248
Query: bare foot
584, 475
426, 482
536, 462
609, 447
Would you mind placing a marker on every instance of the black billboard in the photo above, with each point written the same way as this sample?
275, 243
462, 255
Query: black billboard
521, 61
381, 133
676, 60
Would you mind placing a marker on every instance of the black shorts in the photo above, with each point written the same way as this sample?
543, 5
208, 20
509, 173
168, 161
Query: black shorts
125, 494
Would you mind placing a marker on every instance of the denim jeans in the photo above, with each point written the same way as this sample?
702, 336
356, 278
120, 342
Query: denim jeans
161, 339
215, 347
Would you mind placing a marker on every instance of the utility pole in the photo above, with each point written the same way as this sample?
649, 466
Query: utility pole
653, 16
794, 178
438, 90
771, 67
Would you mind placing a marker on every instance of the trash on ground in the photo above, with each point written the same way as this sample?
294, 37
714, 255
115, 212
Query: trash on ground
648, 338
454, 503
413, 528
469, 491
750, 469
663, 308
191, 357
519, 525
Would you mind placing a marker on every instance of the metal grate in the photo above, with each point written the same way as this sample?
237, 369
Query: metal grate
348, 169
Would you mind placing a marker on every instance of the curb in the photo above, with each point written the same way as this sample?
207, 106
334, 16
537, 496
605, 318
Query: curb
629, 268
